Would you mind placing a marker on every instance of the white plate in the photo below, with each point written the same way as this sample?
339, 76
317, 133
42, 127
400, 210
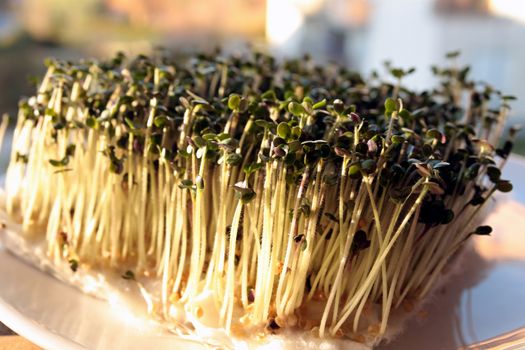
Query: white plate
483, 303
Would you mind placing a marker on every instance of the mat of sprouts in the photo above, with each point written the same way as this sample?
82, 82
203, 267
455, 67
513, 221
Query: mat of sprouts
246, 202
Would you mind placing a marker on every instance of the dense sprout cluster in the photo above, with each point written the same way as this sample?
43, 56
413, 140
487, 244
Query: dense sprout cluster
274, 185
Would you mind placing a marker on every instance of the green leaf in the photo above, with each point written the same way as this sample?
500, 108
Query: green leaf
183, 153
296, 132
296, 109
251, 168
243, 193
199, 141
233, 159
390, 106
453, 54
397, 72
234, 101
308, 100
269, 95
434, 134
130, 123
22, 158
354, 171
209, 136
185, 184
368, 166
73, 264
92, 123
404, 114
58, 163
397, 139
284, 131
263, 124
160, 121
319, 104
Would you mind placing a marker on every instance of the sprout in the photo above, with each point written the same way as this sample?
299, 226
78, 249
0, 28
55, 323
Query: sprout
73, 264
483, 230
128, 275
272, 183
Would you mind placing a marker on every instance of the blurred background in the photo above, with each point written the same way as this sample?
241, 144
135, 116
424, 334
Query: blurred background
360, 34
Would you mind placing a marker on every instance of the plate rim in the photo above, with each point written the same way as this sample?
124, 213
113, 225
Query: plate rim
30, 329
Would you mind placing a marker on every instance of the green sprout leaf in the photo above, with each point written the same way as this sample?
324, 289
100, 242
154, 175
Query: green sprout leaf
397, 72
233, 159
453, 54
59, 163
234, 101
296, 109
390, 106
397, 139
186, 184
434, 134
130, 123
269, 95
251, 168
319, 104
160, 121
244, 193
73, 264
22, 158
283, 130
368, 166
92, 123
354, 171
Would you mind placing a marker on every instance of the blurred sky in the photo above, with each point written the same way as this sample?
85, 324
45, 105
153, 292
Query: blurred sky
361, 34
